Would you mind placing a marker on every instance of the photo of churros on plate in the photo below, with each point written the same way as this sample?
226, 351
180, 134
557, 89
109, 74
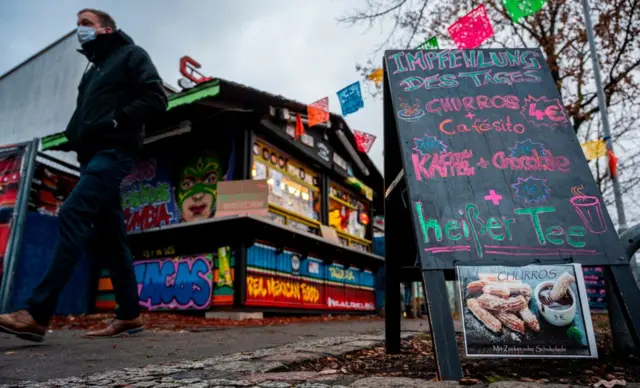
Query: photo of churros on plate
531, 311
501, 304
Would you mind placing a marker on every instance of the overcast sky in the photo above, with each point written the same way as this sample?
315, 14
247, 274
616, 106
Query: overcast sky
290, 47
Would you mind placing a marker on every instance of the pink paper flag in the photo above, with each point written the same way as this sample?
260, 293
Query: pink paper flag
364, 141
472, 29
318, 112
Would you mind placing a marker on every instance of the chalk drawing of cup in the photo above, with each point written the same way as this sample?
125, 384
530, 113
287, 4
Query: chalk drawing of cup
590, 211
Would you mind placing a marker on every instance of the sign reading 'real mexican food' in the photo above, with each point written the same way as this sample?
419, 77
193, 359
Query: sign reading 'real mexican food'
493, 166
530, 311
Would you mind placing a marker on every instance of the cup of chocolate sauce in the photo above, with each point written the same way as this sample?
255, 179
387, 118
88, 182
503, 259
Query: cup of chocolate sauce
560, 312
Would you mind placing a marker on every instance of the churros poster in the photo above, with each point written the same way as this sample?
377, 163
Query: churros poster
531, 311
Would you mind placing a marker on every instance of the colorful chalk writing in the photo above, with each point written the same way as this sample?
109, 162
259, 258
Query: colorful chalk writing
494, 197
409, 61
428, 144
530, 222
527, 147
182, 283
482, 163
531, 189
491, 165
535, 162
479, 78
469, 104
481, 126
443, 165
544, 112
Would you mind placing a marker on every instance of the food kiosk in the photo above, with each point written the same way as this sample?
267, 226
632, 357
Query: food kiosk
309, 250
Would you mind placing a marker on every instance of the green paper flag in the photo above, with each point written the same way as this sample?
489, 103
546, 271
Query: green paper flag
518, 9
431, 43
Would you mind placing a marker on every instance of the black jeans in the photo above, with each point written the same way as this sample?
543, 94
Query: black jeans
91, 218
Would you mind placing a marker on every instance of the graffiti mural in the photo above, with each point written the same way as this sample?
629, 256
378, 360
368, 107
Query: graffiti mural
147, 198
223, 277
197, 185
167, 190
281, 291
181, 283
349, 288
178, 283
285, 279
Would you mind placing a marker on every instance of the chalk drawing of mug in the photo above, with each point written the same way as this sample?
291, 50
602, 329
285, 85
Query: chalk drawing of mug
589, 210
410, 113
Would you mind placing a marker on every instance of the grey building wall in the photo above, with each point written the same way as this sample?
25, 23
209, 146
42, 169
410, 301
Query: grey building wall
37, 97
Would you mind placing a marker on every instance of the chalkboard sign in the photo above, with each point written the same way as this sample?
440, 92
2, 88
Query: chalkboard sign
493, 167
594, 280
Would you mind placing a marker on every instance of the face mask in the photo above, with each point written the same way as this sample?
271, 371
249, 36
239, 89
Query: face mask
86, 34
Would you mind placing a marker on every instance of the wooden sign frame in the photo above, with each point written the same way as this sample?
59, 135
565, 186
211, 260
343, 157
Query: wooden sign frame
402, 247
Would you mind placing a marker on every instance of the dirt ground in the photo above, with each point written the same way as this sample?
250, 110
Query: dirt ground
416, 361
195, 322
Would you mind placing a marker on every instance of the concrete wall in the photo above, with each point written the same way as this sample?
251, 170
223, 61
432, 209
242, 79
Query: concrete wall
38, 97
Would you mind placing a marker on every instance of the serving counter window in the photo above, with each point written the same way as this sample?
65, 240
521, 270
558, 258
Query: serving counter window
294, 193
349, 215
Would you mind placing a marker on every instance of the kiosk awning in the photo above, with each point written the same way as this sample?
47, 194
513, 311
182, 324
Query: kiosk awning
58, 141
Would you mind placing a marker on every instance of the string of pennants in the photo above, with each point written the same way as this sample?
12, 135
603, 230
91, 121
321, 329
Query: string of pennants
351, 101
468, 32
595, 149
474, 28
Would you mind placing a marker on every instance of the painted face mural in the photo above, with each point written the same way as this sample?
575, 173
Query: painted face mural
196, 190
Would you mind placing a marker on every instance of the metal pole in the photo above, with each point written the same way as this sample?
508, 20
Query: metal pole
12, 254
622, 220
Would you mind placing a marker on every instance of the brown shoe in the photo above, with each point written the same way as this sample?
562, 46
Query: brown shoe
22, 325
118, 328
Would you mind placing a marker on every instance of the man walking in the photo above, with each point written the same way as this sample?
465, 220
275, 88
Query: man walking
120, 91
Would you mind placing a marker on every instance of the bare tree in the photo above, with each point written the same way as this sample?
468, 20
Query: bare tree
558, 29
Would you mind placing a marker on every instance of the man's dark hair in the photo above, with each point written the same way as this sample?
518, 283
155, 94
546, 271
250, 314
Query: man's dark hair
105, 19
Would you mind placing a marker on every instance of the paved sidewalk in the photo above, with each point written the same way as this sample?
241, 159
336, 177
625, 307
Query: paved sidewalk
66, 353
260, 369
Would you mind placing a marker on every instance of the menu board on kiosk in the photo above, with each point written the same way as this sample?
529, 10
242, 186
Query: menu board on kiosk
492, 164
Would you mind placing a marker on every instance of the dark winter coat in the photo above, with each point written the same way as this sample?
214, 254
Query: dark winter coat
118, 94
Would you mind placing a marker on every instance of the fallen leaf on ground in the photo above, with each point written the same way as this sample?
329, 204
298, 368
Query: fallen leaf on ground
610, 384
